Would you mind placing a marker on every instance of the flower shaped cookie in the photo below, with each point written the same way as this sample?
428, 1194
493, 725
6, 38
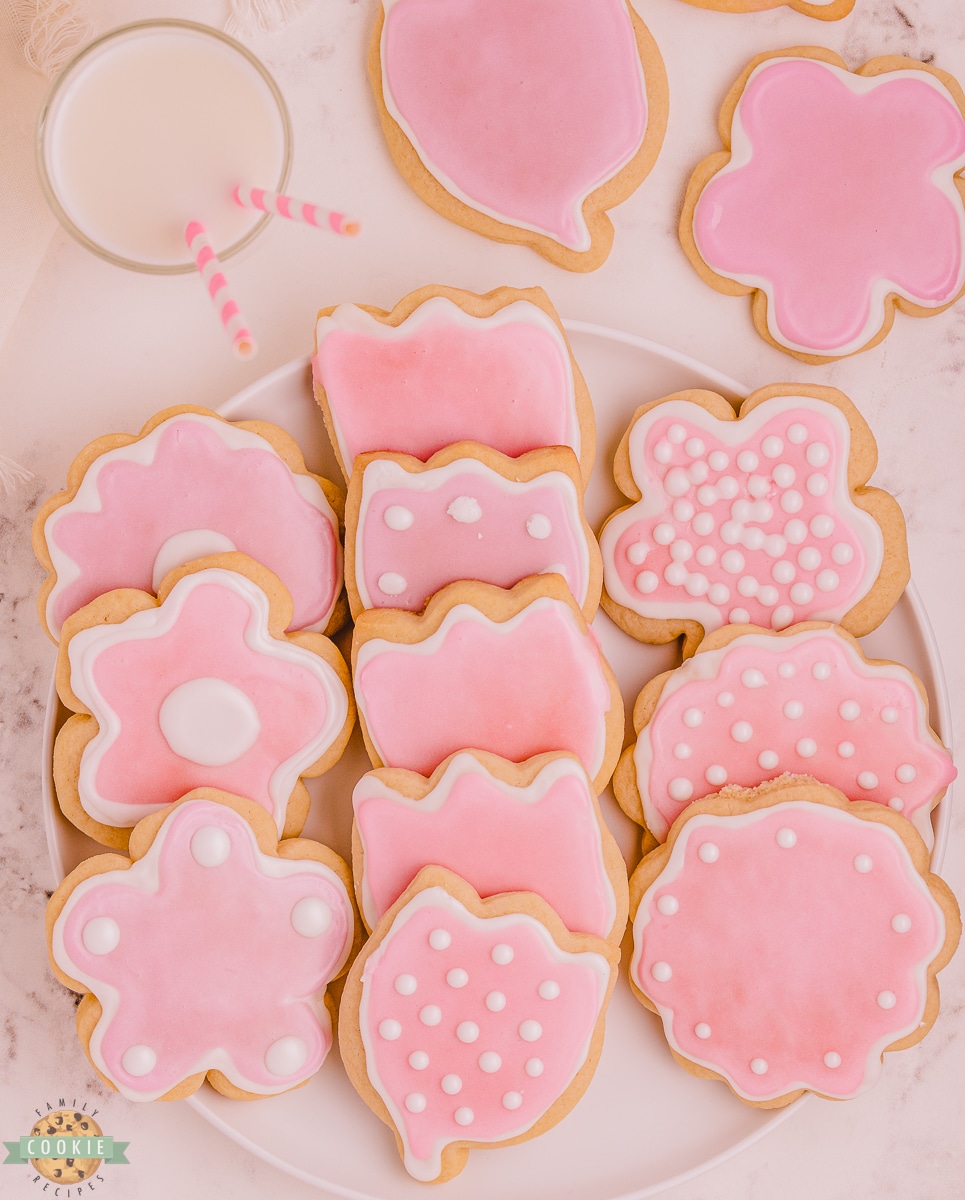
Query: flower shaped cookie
764, 519
201, 688
208, 954
837, 200
817, 931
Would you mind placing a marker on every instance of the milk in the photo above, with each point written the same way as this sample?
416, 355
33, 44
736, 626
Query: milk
152, 127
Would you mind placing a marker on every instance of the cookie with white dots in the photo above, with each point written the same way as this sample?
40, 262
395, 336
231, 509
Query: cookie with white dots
756, 516
469, 1023
788, 937
207, 954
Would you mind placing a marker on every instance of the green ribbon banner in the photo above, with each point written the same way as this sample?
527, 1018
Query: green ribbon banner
66, 1147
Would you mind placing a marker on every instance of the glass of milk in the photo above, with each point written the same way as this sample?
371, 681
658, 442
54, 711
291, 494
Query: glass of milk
152, 126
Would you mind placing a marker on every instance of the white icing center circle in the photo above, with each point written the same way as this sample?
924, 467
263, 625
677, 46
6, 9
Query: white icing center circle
311, 917
210, 846
139, 1060
101, 935
184, 547
209, 721
286, 1056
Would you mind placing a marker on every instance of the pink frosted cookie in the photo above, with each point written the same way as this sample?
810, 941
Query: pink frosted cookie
469, 1023
761, 518
523, 120
469, 513
753, 704
836, 200
448, 366
503, 828
517, 673
207, 955
200, 687
787, 938
188, 485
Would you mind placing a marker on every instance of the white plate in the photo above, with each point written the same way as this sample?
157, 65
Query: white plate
644, 1124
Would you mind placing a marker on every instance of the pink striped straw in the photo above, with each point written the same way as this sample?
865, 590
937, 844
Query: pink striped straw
296, 210
209, 268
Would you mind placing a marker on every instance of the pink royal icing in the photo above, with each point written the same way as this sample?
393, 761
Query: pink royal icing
805, 703
741, 521
543, 838
416, 532
207, 954
194, 486
472, 1026
519, 109
813, 933
840, 190
197, 693
518, 688
443, 376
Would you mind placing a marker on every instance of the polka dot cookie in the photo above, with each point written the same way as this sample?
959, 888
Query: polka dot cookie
753, 704
758, 517
207, 954
787, 938
468, 1023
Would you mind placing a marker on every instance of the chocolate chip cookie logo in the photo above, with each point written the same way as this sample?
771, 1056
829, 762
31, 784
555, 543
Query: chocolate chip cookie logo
67, 1147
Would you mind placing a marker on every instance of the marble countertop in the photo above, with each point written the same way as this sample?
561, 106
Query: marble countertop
86, 348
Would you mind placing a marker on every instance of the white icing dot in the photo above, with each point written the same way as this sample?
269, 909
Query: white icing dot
797, 433
758, 486
791, 502
676, 434
210, 846
867, 780
752, 678
732, 561
716, 775
495, 1001
747, 460
288, 1055
784, 475
464, 1116
467, 1031
692, 717
793, 710
502, 954
767, 759
752, 538
845, 749
390, 1030
817, 485
676, 574
397, 517
457, 977
680, 789
415, 1102
795, 531
697, 472
696, 584
539, 526
530, 1031
440, 939
739, 616
817, 454
418, 1060
683, 510
782, 617
730, 532
809, 558
636, 553
787, 670
549, 989
822, 526
759, 1066
675, 482
708, 852
707, 495
405, 985
887, 999
512, 1100
490, 1062
889, 715
646, 582
905, 773
311, 917
849, 710
451, 1085
772, 446
694, 447
668, 905
718, 593
661, 971
431, 1014
703, 524
901, 922
807, 747
534, 1067
827, 580
821, 671
702, 1030
682, 750
842, 553
391, 583
783, 571
786, 838
863, 864
741, 731
139, 1060
801, 593
718, 460
101, 935
663, 452
725, 699
466, 510
832, 1059
896, 803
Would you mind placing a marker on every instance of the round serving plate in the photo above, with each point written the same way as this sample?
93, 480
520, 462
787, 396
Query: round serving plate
644, 1124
